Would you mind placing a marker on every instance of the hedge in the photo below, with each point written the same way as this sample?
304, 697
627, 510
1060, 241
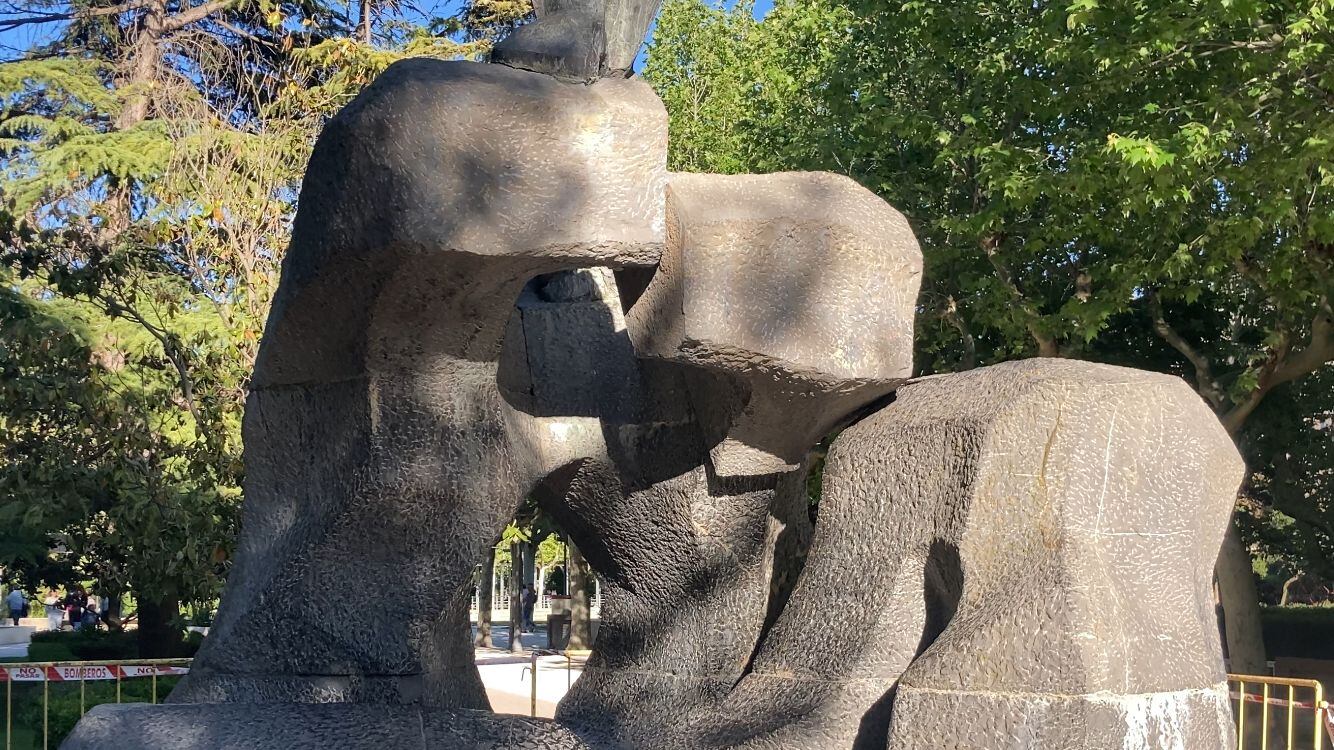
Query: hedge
1305, 632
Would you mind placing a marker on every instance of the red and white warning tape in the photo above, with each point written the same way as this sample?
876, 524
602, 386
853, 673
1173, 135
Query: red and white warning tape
1255, 698
76, 673
1326, 711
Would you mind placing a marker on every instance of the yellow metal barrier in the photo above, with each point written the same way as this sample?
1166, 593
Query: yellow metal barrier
1245, 689
82, 672
532, 670
1290, 696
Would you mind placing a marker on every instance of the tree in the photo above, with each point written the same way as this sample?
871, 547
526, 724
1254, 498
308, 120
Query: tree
516, 595
1065, 166
93, 466
152, 154
144, 185
486, 589
547, 556
581, 593
1290, 498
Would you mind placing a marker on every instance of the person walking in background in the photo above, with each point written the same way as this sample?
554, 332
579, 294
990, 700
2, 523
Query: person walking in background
16, 601
55, 614
529, 601
90, 617
75, 602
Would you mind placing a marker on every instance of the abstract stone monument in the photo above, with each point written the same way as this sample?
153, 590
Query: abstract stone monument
495, 289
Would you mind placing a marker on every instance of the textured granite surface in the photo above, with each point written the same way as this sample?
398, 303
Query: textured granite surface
495, 290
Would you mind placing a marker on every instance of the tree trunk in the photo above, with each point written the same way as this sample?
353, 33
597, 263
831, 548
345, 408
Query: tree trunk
364, 28
1241, 607
516, 597
485, 591
1235, 579
159, 634
1287, 590
111, 603
140, 69
1243, 636
581, 613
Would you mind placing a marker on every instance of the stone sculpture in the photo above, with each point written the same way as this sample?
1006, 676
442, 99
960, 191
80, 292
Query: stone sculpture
495, 289
580, 39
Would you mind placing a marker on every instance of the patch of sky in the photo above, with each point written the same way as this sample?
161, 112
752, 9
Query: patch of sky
15, 40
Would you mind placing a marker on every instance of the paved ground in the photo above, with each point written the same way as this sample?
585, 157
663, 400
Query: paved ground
508, 677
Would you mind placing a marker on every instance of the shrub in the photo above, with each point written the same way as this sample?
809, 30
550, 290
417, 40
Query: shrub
48, 651
98, 645
63, 710
1299, 631
82, 645
49, 636
102, 645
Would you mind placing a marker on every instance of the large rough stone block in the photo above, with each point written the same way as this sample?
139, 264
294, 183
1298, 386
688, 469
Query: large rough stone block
1034, 545
431, 177
795, 275
292, 726
580, 39
382, 458
802, 287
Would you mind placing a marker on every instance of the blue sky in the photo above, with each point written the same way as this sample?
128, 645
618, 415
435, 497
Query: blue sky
761, 8
15, 41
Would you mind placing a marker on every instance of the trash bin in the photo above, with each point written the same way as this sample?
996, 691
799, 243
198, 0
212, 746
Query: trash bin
558, 631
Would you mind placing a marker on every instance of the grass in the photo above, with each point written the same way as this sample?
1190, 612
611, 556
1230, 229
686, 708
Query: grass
68, 700
66, 707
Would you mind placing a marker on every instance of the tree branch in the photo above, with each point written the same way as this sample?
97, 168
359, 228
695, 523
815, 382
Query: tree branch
1046, 343
10, 24
952, 316
1286, 365
1204, 377
197, 13
169, 348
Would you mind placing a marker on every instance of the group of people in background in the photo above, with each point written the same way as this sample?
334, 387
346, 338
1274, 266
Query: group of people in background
75, 607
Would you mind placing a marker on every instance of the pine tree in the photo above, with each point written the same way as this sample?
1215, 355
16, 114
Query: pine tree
152, 153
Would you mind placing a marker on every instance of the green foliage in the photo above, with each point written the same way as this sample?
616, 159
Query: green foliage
1290, 442
489, 21
85, 644
151, 156
343, 67
550, 552
698, 69
92, 644
1080, 175
48, 650
66, 701
92, 458
1299, 632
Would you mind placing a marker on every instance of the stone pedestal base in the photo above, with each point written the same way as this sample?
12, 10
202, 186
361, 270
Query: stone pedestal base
292, 726
965, 720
